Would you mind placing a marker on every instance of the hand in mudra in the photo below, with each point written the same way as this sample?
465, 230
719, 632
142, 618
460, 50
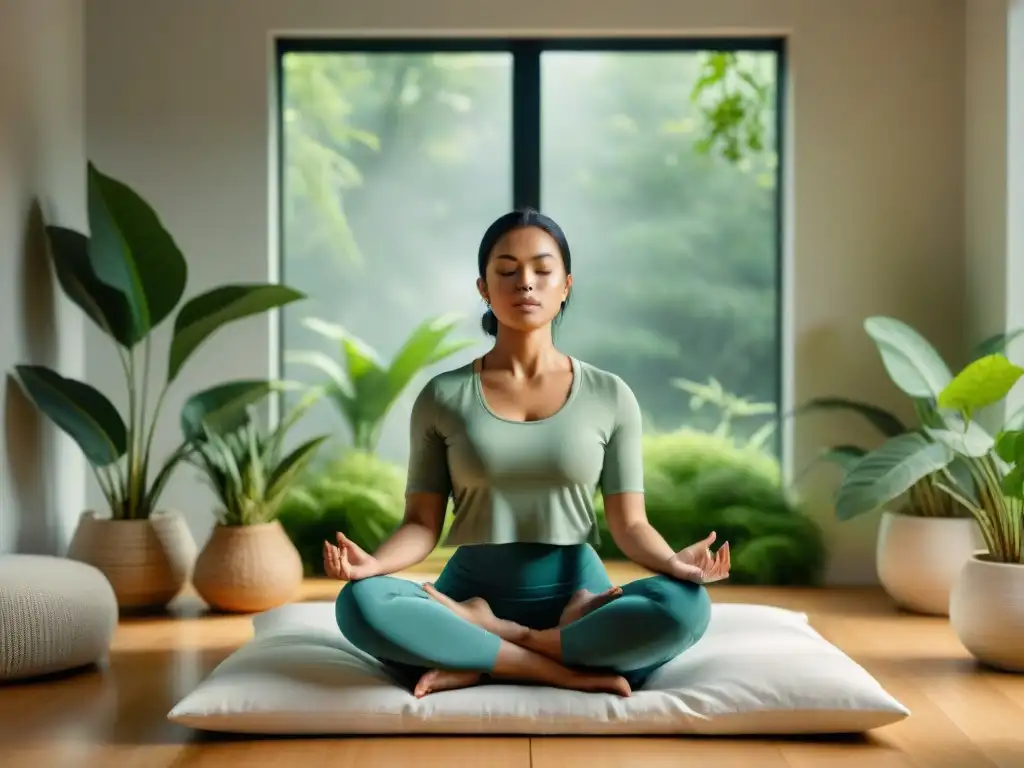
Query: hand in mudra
699, 564
348, 561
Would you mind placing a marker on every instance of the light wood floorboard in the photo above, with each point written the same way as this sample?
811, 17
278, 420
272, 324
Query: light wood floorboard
964, 716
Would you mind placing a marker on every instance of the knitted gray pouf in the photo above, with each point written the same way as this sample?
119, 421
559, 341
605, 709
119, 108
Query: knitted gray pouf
55, 615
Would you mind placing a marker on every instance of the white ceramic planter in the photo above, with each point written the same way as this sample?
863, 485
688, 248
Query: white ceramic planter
986, 610
919, 558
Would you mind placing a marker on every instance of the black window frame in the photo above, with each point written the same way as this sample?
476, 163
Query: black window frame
526, 53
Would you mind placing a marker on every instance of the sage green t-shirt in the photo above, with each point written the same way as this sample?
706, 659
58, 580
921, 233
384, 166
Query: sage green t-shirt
533, 481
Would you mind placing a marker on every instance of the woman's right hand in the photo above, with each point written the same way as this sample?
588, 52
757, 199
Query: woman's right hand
348, 561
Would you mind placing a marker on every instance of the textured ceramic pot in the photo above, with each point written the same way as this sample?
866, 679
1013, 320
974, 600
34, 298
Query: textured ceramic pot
986, 610
248, 568
146, 561
919, 558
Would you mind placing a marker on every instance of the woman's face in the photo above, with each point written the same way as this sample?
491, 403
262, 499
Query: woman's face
525, 282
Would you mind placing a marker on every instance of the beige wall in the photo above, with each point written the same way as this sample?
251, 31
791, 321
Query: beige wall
42, 153
179, 105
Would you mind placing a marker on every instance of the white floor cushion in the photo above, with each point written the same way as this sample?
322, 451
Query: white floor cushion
56, 615
757, 670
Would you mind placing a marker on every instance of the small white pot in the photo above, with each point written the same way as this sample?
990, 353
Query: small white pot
919, 558
986, 610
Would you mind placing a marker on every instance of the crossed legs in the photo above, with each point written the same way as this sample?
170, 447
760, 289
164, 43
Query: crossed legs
397, 621
606, 642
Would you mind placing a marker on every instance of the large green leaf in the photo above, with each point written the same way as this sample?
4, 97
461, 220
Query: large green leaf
911, 362
81, 411
105, 306
882, 420
203, 315
131, 251
223, 408
888, 472
982, 383
996, 344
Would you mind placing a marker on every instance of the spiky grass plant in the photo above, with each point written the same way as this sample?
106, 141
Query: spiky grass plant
248, 469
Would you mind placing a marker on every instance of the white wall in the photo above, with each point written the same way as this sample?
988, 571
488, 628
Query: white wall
985, 161
179, 104
42, 153
1013, 288
994, 161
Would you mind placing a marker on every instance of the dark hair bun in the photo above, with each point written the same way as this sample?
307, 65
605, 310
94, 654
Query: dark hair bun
489, 323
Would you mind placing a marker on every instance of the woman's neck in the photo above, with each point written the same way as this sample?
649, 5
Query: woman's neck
524, 354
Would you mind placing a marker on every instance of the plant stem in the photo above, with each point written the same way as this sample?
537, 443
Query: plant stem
148, 450
105, 486
119, 499
141, 438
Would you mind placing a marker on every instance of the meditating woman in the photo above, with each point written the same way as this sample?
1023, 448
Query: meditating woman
522, 439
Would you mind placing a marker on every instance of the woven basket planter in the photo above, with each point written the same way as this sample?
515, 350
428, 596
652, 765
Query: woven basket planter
147, 562
248, 568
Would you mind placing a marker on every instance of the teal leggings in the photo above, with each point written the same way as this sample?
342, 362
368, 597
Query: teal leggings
394, 620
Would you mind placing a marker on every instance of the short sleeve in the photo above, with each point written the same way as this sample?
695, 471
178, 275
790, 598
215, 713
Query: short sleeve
428, 453
623, 470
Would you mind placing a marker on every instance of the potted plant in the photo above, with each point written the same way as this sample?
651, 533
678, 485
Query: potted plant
987, 598
128, 276
987, 603
926, 535
248, 564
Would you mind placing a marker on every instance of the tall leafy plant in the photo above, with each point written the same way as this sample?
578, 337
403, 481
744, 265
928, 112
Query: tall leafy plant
363, 387
967, 462
918, 370
128, 275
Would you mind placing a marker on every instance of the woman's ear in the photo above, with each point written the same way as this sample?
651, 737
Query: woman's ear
481, 287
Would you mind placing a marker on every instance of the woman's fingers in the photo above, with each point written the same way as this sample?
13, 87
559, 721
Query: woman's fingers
344, 566
327, 559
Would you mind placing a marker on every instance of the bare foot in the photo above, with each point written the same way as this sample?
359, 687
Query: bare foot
437, 680
584, 602
477, 611
593, 683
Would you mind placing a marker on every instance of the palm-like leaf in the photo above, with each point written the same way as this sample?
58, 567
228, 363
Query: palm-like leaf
363, 387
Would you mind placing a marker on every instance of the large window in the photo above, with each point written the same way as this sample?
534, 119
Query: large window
659, 158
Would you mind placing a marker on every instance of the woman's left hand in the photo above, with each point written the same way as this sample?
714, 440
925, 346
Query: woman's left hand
699, 564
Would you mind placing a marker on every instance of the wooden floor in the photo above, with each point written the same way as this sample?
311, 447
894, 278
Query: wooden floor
963, 716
